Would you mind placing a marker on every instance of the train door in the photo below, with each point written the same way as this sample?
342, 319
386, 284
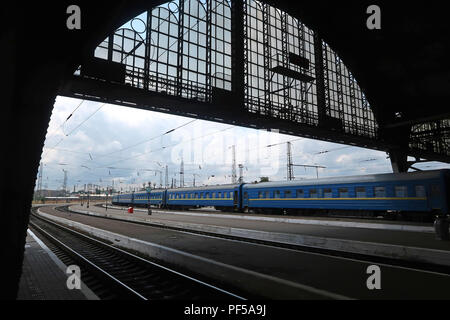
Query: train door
164, 199
436, 196
235, 199
245, 200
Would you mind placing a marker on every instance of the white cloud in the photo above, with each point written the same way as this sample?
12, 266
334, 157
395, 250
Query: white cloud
202, 143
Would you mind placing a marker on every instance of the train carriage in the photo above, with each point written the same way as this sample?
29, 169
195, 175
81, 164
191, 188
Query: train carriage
418, 192
141, 199
223, 197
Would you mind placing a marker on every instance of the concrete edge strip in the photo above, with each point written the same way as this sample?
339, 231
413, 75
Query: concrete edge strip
84, 288
347, 224
434, 256
247, 279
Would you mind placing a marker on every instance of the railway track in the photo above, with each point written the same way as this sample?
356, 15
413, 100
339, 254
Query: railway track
112, 273
327, 252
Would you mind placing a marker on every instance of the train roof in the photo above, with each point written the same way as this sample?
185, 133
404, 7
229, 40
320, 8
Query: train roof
217, 187
371, 178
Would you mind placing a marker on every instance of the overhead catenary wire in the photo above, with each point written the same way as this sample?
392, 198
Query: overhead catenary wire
148, 140
86, 120
110, 166
67, 119
76, 127
169, 146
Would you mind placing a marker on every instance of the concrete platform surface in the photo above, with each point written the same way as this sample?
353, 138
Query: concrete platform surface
43, 275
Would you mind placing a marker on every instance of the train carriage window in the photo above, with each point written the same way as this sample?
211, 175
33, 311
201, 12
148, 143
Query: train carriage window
220, 195
245, 195
420, 192
277, 194
343, 193
360, 192
313, 193
401, 191
327, 193
260, 195
300, 194
380, 192
288, 194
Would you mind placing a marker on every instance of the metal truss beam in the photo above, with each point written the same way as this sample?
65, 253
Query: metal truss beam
101, 91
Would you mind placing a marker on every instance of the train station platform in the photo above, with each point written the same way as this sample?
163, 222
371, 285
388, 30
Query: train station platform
43, 275
276, 272
420, 246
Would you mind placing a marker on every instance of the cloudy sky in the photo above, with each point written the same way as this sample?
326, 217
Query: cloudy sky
102, 143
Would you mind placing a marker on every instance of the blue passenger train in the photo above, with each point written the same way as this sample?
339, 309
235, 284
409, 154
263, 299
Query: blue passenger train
424, 193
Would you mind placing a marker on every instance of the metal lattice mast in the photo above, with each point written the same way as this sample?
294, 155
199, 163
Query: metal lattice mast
39, 188
167, 177
233, 166
241, 173
290, 171
64, 187
182, 174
